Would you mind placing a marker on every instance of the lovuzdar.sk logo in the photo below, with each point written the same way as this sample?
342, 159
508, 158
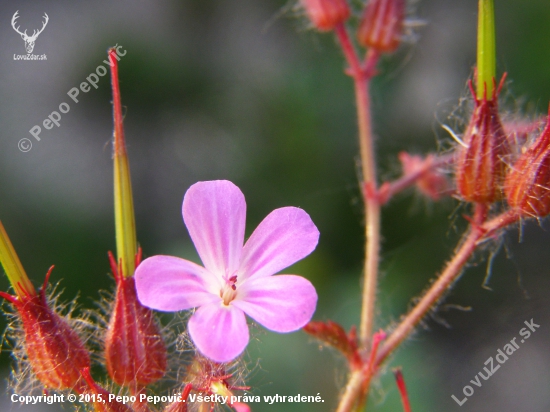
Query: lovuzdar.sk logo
29, 40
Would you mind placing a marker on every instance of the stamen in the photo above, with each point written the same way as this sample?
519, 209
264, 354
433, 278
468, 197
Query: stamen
228, 292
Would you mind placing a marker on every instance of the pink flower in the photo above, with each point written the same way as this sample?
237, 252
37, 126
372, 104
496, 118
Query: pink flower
235, 279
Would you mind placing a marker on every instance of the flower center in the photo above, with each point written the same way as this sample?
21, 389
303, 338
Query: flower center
229, 291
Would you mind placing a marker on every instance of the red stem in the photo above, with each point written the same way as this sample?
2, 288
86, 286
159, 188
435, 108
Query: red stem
361, 77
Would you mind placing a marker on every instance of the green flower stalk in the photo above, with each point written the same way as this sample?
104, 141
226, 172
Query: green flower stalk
486, 49
125, 223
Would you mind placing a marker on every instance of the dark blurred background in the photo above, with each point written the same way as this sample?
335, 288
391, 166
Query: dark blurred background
244, 90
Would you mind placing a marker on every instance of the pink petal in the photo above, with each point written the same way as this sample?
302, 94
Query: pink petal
282, 303
284, 237
171, 284
240, 407
215, 215
220, 332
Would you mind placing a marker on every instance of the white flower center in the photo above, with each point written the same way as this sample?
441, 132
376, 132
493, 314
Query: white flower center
229, 291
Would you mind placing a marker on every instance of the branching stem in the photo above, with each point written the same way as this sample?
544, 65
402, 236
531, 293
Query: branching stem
479, 230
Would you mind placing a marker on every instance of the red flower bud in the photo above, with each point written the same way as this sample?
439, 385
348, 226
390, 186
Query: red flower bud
134, 349
527, 186
381, 26
54, 350
480, 165
326, 14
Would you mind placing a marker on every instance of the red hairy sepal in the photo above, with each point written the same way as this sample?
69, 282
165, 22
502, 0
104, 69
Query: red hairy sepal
527, 185
54, 350
334, 335
381, 26
135, 352
481, 161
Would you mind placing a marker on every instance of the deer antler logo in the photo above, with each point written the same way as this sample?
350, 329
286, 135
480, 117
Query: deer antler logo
29, 40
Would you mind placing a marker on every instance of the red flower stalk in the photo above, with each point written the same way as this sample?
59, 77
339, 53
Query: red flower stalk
381, 26
527, 185
481, 165
134, 349
326, 14
54, 350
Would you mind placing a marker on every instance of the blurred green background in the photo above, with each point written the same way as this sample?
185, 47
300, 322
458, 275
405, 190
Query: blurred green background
243, 90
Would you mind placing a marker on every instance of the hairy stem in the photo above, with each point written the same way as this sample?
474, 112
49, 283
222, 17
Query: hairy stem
479, 230
352, 392
434, 294
361, 76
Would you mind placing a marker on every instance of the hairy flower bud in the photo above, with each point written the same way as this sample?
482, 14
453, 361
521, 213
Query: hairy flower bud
54, 350
134, 349
480, 165
527, 186
326, 14
381, 26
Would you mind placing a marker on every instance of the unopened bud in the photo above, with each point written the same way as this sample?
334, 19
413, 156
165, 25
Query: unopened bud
430, 181
527, 185
134, 348
481, 161
326, 14
381, 26
54, 350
